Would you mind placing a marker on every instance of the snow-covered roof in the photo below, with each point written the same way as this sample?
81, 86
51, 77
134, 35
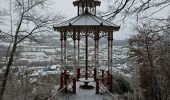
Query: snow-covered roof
86, 20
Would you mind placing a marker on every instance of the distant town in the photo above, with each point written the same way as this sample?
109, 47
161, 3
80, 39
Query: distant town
43, 58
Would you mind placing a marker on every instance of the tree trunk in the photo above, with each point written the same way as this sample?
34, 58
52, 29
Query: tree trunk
4, 81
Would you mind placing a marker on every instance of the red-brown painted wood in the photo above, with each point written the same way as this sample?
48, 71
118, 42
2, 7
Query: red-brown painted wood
74, 85
78, 73
94, 73
97, 86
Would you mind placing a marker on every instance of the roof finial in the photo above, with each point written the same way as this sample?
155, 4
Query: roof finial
85, 6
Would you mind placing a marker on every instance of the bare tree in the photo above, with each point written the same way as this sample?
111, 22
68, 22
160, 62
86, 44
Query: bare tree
125, 8
151, 49
30, 20
163, 58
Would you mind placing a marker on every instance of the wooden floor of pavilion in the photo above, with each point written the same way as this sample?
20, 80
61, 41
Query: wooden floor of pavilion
84, 94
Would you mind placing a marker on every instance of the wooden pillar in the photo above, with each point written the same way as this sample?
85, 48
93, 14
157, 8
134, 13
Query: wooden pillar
78, 11
108, 56
110, 49
97, 52
75, 53
61, 40
97, 67
74, 85
102, 75
86, 64
65, 58
111, 55
61, 63
95, 58
97, 86
61, 81
82, 8
94, 74
75, 61
111, 59
78, 74
95, 10
78, 58
111, 83
65, 80
108, 77
78, 53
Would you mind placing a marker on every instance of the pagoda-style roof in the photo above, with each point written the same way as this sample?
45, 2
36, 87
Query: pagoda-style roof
90, 3
86, 20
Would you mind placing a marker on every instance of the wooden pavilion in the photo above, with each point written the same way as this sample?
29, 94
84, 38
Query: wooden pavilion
86, 25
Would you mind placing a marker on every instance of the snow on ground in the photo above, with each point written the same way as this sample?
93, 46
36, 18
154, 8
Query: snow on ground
83, 94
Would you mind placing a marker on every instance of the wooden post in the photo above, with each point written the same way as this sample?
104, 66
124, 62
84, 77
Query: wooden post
108, 60
78, 11
78, 53
95, 54
94, 74
61, 81
97, 86
111, 58
65, 72
97, 51
86, 72
61, 63
111, 49
108, 77
65, 58
111, 83
75, 62
78, 74
102, 75
108, 73
110, 38
74, 85
65, 80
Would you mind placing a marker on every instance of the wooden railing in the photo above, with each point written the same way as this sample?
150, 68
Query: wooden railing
107, 91
52, 97
71, 82
103, 82
81, 73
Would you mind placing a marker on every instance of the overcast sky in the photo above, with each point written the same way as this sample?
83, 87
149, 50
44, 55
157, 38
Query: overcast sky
66, 8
